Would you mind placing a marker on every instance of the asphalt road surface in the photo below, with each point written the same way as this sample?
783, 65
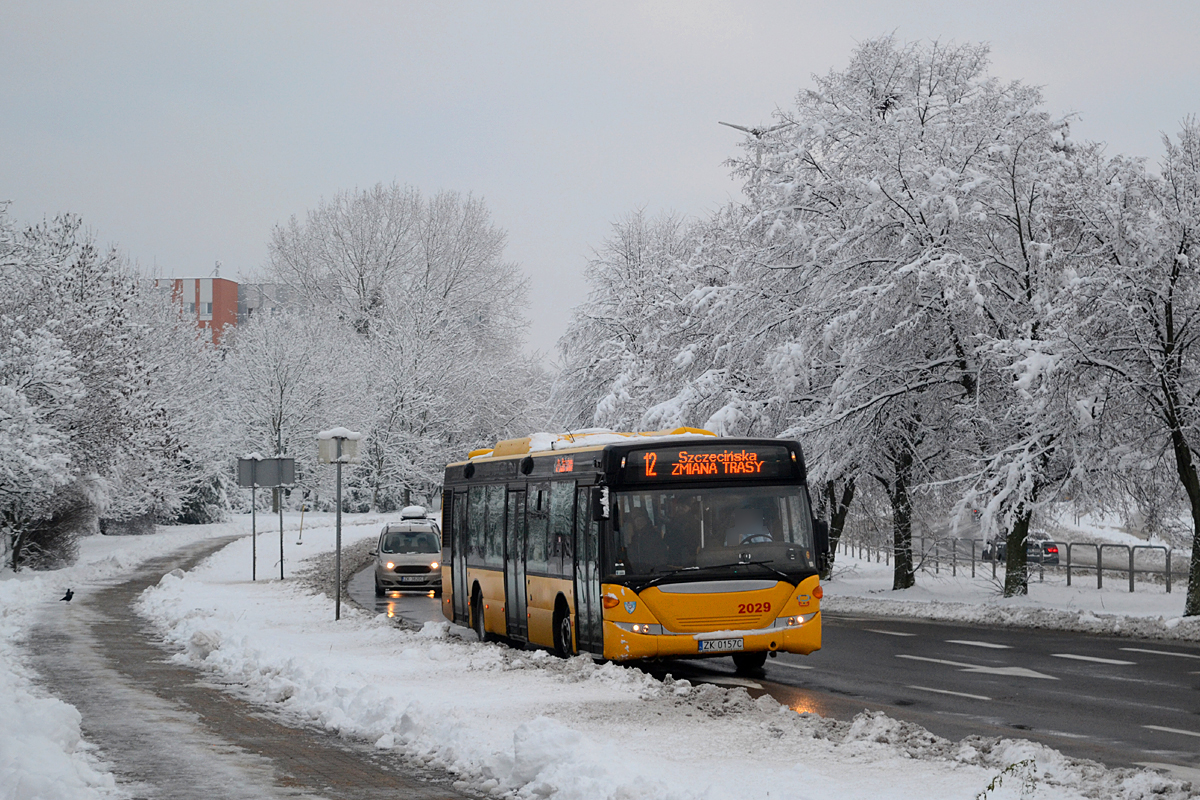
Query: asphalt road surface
418, 607
1119, 701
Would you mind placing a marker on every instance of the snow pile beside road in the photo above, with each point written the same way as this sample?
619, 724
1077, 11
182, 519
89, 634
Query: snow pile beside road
524, 724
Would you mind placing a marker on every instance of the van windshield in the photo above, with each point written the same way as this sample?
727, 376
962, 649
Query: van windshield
415, 542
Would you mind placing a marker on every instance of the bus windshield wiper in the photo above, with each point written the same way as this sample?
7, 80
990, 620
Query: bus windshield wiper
659, 579
766, 564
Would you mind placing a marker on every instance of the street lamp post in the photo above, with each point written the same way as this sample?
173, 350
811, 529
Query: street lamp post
337, 567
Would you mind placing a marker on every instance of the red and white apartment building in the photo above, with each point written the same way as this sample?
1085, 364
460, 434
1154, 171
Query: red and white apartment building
213, 302
218, 303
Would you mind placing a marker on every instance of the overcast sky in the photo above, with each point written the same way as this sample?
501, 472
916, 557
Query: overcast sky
182, 132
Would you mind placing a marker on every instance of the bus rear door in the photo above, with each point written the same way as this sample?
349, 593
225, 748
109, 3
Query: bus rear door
458, 558
514, 573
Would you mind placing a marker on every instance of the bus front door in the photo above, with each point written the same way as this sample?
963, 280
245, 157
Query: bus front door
588, 626
514, 573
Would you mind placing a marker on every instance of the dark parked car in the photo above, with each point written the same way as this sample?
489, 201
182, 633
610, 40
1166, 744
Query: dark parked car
1039, 549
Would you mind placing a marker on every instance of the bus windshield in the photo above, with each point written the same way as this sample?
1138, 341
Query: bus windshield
660, 531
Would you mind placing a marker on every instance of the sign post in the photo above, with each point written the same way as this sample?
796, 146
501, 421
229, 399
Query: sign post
256, 472
338, 446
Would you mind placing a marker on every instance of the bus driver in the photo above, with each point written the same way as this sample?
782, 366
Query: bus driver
748, 527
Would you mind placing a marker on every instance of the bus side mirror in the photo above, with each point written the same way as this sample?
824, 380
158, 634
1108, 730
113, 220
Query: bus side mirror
821, 541
600, 503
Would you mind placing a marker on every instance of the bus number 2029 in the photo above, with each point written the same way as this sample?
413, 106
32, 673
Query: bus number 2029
753, 608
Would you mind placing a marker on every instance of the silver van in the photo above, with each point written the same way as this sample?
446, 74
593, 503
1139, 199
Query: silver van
409, 554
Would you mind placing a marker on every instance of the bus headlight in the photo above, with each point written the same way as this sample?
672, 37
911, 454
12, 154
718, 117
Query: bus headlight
793, 622
390, 565
434, 565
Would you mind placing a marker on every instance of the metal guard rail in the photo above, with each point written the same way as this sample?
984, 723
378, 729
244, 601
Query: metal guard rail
924, 555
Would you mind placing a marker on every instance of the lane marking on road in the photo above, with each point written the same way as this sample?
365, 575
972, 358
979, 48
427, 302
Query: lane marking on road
1015, 672
947, 691
970, 643
791, 666
1093, 659
1159, 652
1172, 730
890, 633
747, 684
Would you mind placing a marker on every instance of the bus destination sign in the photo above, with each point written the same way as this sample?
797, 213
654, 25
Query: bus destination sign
700, 462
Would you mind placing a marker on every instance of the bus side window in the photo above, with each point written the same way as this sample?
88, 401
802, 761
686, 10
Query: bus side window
562, 517
448, 510
538, 505
494, 556
475, 524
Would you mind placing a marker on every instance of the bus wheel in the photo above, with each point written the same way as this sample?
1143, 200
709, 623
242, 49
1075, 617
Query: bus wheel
477, 615
562, 632
749, 662
378, 589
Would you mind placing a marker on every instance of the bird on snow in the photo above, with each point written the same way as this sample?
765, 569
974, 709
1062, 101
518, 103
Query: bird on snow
67, 596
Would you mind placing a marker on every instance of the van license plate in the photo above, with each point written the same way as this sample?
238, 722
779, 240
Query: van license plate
720, 645
413, 579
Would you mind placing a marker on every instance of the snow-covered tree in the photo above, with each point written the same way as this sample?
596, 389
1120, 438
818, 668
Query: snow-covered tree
438, 316
288, 377
349, 251
79, 389
1138, 318
885, 204
628, 344
886, 294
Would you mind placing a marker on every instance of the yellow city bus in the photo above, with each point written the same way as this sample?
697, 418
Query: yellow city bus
676, 544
